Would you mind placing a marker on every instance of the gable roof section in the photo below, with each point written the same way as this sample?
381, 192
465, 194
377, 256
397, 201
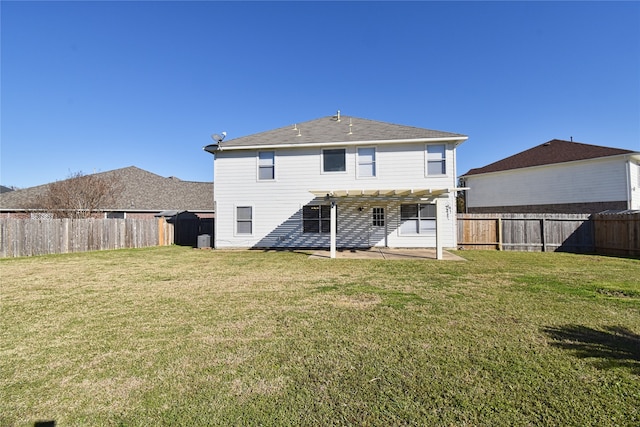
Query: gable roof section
142, 191
329, 129
551, 152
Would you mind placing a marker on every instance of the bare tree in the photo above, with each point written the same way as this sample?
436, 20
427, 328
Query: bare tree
80, 195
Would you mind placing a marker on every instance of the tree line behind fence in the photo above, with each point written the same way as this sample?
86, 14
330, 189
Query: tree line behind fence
27, 237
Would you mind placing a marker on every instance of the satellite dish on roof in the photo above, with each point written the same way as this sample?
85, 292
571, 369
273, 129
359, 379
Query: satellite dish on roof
218, 138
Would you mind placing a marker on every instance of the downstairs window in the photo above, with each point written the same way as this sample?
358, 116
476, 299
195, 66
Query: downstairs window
317, 219
418, 219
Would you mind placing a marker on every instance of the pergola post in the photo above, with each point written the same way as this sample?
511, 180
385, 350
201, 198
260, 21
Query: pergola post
333, 229
439, 228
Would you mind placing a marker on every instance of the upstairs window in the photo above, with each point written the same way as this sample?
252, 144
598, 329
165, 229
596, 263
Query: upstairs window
266, 165
436, 160
334, 160
366, 162
317, 219
418, 219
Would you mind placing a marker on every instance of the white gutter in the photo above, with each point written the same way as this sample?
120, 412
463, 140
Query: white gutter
459, 139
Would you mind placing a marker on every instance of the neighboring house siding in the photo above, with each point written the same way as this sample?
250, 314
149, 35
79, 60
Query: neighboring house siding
277, 204
563, 208
582, 182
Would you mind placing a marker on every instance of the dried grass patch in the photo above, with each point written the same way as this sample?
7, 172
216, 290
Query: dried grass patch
358, 301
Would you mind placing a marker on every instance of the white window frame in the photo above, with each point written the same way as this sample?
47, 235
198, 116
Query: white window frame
378, 216
373, 163
433, 158
236, 219
260, 166
319, 219
420, 230
322, 160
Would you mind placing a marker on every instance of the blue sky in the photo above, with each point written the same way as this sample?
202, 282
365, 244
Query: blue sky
95, 86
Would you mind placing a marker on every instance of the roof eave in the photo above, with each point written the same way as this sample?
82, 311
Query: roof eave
635, 156
211, 148
456, 139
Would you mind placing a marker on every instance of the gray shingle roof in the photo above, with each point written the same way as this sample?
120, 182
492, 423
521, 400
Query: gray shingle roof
142, 191
548, 153
329, 129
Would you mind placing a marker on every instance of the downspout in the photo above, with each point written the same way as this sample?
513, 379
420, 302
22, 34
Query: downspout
214, 239
629, 192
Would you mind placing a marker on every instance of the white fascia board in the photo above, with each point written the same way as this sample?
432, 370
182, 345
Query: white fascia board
458, 140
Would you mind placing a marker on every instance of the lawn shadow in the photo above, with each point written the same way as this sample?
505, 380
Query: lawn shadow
615, 345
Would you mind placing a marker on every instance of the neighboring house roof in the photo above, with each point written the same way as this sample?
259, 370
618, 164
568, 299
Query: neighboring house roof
551, 152
4, 189
334, 129
142, 191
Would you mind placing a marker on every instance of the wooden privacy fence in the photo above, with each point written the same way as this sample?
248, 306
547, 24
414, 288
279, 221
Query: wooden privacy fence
526, 232
616, 233
26, 237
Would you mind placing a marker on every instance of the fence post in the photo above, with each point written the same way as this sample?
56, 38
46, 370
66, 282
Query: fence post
542, 237
160, 231
500, 233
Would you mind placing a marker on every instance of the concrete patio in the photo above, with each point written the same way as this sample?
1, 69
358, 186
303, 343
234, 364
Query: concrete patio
387, 254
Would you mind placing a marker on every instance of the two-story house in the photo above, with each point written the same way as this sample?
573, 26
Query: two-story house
336, 182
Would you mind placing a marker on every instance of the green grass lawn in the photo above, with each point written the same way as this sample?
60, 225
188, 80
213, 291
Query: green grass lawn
177, 336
